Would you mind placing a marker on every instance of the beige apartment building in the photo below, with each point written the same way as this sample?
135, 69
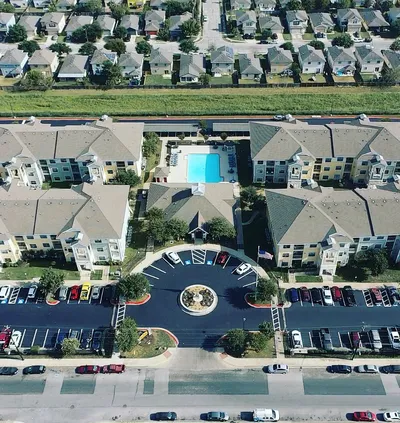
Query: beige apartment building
33, 152
295, 153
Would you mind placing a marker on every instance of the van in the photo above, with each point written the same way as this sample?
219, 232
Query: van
265, 415
375, 340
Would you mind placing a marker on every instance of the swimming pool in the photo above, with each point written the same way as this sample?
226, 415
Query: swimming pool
203, 168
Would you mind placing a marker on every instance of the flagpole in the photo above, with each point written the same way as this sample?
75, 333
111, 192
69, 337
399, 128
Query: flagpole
258, 257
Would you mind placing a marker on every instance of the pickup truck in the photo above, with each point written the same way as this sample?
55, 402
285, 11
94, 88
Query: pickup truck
326, 339
113, 368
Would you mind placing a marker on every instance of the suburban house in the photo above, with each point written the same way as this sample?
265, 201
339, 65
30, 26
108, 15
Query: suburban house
154, 20
53, 23
297, 21
175, 23
191, 67
131, 64
158, 4
131, 23
35, 152
66, 4
44, 61
265, 6
393, 14
40, 4
323, 228
311, 60
195, 204
272, 23
249, 67
366, 153
368, 59
279, 59
321, 22
100, 57
107, 24
392, 59
73, 67
30, 23
19, 3
246, 21
240, 4
6, 20
374, 20
349, 20
341, 61
161, 63
77, 22
222, 61
88, 223
13, 63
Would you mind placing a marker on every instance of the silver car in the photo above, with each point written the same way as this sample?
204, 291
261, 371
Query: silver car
278, 369
367, 368
62, 294
96, 291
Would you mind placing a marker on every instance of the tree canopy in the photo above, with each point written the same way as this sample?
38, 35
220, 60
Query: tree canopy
143, 47
190, 28
205, 79
69, 346
29, 46
188, 46
288, 46
87, 49
374, 260
389, 77
150, 144
265, 290
317, 44
161, 230
116, 45
50, 281
343, 40
235, 341
93, 6
120, 32
134, 286
395, 46
127, 335
118, 10
127, 177
112, 74
174, 7
7, 8
220, 229
90, 32
17, 33
60, 48
35, 79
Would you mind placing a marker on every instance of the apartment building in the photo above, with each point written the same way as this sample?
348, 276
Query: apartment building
367, 153
322, 228
34, 152
88, 222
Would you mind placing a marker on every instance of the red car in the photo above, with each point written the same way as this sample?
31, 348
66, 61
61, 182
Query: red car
364, 416
113, 368
222, 257
376, 296
336, 293
87, 370
74, 293
305, 294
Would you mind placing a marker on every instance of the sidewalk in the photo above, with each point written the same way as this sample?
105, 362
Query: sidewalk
354, 285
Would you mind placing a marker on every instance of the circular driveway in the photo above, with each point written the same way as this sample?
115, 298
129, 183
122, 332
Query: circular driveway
197, 267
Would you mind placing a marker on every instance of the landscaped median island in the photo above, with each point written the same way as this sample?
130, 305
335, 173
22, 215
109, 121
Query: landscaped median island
187, 102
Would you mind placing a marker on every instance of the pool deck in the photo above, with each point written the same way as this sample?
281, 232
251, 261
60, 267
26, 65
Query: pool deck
179, 173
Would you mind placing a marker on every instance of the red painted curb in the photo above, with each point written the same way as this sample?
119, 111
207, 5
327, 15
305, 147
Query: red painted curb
260, 305
174, 337
137, 303
52, 303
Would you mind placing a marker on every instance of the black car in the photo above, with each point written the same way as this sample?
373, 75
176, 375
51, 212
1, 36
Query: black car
85, 340
8, 371
390, 369
316, 295
107, 293
340, 368
348, 295
96, 341
165, 415
34, 370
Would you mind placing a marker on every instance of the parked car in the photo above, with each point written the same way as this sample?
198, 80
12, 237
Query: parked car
279, 117
34, 370
394, 368
96, 341
5, 292
376, 296
217, 416
32, 292
85, 340
278, 368
327, 296
297, 340
85, 291
63, 293
8, 371
265, 415
348, 296
87, 370
305, 294
113, 368
391, 416
165, 416
336, 293
326, 339
367, 368
96, 292
340, 368
173, 257
222, 257
316, 295
393, 295
74, 334
293, 295
60, 338
375, 339
107, 293
243, 268
74, 293
355, 339
364, 416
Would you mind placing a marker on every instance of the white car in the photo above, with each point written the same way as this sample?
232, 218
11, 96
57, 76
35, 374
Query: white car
5, 292
391, 416
297, 340
96, 291
205, 18
278, 369
243, 268
367, 368
172, 256
327, 296
32, 291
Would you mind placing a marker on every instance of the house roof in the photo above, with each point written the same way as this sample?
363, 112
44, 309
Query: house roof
156, 56
310, 54
392, 58
241, 2
77, 22
73, 64
161, 172
66, 3
30, 23
340, 54
177, 201
348, 14
249, 65
223, 54
321, 19
177, 20
155, 15
13, 57
55, 17
191, 64
106, 22
97, 210
245, 15
394, 11
130, 21
296, 15
130, 59
279, 56
42, 57
265, 3
373, 18
5, 17
270, 22
367, 53
103, 55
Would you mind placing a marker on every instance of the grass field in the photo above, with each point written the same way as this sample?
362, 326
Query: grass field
187, 102
35, 268
159, 341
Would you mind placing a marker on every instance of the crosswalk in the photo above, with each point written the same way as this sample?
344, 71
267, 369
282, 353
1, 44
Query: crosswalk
121, 310
14, 295
199, 256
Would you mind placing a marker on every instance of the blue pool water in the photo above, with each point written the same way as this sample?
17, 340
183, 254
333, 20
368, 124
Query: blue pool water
203, 168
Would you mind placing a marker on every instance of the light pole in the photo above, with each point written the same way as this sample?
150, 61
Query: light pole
244, 321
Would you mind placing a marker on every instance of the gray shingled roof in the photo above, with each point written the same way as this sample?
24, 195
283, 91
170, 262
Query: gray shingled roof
131, 58
106, 22
101, 56
324, 19
245, 15
77, 22
42, 57
55, 17
5, 17
296, 15
340, 54
156, 56
30, 23
373, 18
191, 64
177, 20
366, 54
249, 65
270, 22
13, 57
279, 56
309, 54
73, 64
223, 54
392, 58
130, 22
348, 14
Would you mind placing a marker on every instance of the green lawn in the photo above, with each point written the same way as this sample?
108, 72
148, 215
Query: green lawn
337, 78
305, 77
63, 185
351, 274
287, 37
277, 79
267, 352
308, 278
156, 80
96, 275
136, 250
308, 36
159, 341
226, 79
368, 77
35, 268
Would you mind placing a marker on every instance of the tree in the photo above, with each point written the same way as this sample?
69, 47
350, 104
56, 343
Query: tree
182, 136
174, 7
343, 40
395, 46
35, 79
143, 47
294, 5
127, 177
220, 229
266, 289
163, 33
113, 76
322, 4
127, 335
266, 33
116, 45
29, 46
17, 33
150, 144
296, 70
389, 77
309, 5
50, 281
288, 46
7, 8
93, 6
134, 286
69, 346
118, 11
318, 45
344, 4
120, 32
176, 229
87, 49
235, 341
188, 46
374, 260
60, 49
235, 32
249, 195
190, 28
257, 341
155, 213
156, 230
274, 36
90, 32
205, 79
266, 329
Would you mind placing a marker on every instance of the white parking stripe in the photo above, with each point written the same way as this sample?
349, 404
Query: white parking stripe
69, 296
22, 338
166, 261
248, 284
234, 270
151, 276
226, 262
180, 259
154, 267
101, 295
34, 337
215, 259
45, 338
340, 340
58, 333
311, 342
69, 333
246, 274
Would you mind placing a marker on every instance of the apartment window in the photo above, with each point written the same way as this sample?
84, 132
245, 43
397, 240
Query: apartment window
389, 163
32, 246
110, 172
318, 160
328, 160
57, 178
286, 246
65, 169
380, 237
45, 169
363, 172
391, 237
43, 162
33, 182
52, 161
108, 163
386, 172
98, 241
259, 179
336, 177
353, 246
43, 236
54, 169
325, 177
349, 160
72, 160
68, 178
53, 236
285, 264
311, 254
100, 250
306, 163
304, 172
102, 258
120, 164
31, 174
364, 247
70, 250
377, 246
19, 238
356, 239
281, 171
339, 159
1, 242
299, 247
260, 162
367, 239
327, 169
57, 245
285, 255
270, 163
364, 163
313, 245
29, 237
338, 168
282, 163
63, 160
340, 254
46, 245
342, 244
